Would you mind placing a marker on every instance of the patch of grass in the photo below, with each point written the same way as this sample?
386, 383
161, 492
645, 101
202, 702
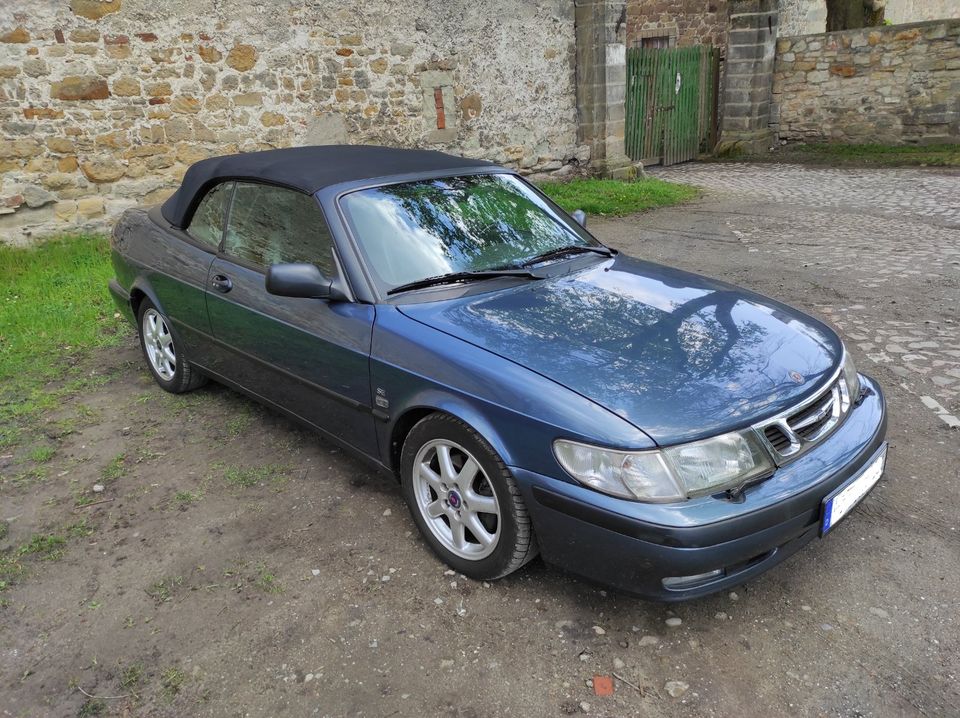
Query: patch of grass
131, 676
185, 498
49, 547
42, 454
92, 707
163, 590
26, 478
172, 680
146, 454
80, 529
265, 580
872, 155
245, 478
46, 547
615, 198
115, 469
10, 570
239, 423
55, 307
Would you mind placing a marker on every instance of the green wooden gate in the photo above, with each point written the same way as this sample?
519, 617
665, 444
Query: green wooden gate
671, 113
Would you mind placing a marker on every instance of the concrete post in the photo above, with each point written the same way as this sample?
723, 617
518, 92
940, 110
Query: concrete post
601, 84
748, 77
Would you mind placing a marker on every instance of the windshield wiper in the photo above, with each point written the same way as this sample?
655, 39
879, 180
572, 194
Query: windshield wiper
464, 277
572, 249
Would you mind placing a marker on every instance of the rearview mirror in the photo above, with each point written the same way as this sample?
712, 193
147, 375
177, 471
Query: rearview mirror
299, 280
580, 216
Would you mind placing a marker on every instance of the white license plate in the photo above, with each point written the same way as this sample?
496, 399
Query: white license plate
840, 502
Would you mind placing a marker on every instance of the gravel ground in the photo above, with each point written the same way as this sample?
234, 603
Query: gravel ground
237, 566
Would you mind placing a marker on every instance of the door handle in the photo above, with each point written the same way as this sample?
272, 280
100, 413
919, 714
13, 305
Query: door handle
221, 283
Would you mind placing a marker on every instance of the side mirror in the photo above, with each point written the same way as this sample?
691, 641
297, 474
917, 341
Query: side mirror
300, 280
580, 216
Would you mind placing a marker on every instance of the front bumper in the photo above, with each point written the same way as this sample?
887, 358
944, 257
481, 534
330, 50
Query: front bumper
633, 546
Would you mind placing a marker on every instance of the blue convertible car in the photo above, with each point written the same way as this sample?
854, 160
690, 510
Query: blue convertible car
532, 389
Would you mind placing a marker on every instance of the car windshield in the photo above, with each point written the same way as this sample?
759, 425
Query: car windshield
429, 228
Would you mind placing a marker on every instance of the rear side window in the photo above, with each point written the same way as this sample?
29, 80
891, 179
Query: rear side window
271, 225
207, 223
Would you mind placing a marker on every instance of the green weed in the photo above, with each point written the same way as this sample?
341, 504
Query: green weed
163, 590
172, 680
115, 469
49, 547
265, 580
131, 676
42, 454
245, 478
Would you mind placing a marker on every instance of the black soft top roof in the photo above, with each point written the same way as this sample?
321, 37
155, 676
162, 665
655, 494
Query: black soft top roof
307, 169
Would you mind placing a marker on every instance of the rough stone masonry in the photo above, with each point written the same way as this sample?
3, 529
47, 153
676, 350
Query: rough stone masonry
896, 84
105, 103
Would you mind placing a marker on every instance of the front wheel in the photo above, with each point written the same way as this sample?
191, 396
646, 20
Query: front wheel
171, 369
464, 499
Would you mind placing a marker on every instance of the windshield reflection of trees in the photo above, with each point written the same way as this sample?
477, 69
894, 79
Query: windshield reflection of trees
481, 221
694, 359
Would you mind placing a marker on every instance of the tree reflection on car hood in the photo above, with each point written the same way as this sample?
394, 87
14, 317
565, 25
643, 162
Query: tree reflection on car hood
677, 355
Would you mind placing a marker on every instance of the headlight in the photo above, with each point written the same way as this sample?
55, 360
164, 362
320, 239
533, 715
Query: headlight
850, 377
670, 474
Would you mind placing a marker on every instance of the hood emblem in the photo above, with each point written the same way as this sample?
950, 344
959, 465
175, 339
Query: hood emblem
797, 377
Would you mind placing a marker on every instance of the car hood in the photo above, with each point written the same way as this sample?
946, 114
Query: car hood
677, 355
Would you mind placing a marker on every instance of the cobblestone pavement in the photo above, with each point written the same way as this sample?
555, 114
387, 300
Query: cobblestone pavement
928, 194
880, 229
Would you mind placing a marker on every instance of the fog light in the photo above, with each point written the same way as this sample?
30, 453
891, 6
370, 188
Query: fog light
676, 583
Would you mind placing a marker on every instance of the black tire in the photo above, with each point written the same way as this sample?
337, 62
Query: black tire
516, 543
185, 376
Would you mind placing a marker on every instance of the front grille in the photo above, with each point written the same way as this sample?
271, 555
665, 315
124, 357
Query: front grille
795, 431
776, 437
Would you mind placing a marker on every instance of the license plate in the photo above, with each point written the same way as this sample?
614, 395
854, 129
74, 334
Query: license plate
840, 502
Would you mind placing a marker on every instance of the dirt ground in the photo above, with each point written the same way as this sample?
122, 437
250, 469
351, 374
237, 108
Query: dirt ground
234, 565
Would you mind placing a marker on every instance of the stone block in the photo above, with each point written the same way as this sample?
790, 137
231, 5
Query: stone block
65, 211
272, 119
80, 87
126, 86
242, 57
209, 54
90, 207
18, 35
102, 170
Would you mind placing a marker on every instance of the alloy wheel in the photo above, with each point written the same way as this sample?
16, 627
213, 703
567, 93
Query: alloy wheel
158, 343
456, 499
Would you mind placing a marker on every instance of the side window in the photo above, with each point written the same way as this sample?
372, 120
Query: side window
207, 223
270, 225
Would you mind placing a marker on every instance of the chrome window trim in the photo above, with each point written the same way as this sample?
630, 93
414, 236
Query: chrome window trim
834, 389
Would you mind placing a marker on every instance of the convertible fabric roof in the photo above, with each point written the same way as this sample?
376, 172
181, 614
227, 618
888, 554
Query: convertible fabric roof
307, 169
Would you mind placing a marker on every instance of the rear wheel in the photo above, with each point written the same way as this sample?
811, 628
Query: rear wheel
464, 499
171, 369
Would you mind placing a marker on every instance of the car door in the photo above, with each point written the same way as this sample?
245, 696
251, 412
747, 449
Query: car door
185, 257
309, 356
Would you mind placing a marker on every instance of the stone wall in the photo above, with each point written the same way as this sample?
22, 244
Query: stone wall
803, 17
104, 103
686, 22
893, 84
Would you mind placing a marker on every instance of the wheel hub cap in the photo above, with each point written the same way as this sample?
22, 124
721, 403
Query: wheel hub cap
453, 498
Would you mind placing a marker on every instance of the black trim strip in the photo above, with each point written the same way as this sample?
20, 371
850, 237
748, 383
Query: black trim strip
352, 403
